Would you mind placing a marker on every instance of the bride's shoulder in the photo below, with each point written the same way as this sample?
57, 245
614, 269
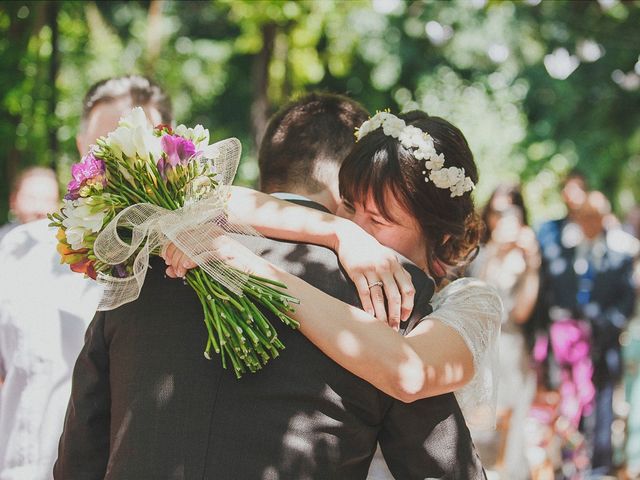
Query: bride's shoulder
472, 293
465, 286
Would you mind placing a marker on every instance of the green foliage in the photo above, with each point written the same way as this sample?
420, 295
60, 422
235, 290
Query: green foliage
480, 64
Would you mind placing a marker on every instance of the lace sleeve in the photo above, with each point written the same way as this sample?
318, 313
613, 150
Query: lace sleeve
475, 310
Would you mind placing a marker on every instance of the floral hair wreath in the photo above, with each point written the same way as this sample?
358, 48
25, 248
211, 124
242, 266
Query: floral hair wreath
421, 143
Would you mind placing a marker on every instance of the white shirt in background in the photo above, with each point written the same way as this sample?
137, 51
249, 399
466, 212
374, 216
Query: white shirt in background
44, 311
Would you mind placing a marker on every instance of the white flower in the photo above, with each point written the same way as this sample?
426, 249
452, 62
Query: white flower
463, 185
393, 127
75, 237
81, 219
364, 130
134, 137
135, 118
375, 122
423, 148
435, 162
121, 142
409, 135
382, 117
198, 135
440, 178
148, 146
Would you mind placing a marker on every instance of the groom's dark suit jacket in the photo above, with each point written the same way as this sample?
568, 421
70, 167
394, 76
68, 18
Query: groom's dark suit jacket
146, 404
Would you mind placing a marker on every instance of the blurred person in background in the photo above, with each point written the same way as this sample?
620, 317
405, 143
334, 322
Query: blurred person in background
631, 353
632, 223
34, 193
573, 193
45, 307
509, 259
589, 296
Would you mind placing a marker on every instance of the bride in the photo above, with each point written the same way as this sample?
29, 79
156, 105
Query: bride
405, 188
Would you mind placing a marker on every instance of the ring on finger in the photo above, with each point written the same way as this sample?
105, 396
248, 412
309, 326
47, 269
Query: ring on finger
375, 284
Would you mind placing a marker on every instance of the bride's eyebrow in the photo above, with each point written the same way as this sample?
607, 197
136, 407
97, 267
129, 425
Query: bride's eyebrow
377, 215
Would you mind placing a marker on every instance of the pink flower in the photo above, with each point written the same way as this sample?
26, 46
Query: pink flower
90, 171
178, 151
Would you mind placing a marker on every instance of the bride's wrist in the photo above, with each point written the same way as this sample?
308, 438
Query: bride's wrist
343, 229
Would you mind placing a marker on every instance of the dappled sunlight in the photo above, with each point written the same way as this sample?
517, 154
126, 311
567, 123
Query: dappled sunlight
349, 343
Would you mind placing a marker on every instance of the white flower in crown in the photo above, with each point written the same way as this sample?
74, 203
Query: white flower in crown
363, 130
393, 127
409, 136
465, 185
446, 177
423, 148
452, 178
435, 162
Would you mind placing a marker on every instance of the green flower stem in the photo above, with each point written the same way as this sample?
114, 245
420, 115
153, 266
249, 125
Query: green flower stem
163, 187
267, 280
237, 330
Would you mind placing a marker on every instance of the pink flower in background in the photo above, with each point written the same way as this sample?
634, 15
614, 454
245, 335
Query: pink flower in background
178, 151
89, 172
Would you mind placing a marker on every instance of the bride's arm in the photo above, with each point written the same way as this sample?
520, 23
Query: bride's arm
282, 220
433, 359
362, 256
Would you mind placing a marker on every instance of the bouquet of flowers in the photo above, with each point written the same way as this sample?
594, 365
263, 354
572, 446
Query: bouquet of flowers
141, 187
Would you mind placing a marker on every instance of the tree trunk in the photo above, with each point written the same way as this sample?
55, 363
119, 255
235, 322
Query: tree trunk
54, 66
18, 34
260, 77
154, 35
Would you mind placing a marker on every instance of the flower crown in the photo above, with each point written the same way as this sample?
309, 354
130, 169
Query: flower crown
412, 138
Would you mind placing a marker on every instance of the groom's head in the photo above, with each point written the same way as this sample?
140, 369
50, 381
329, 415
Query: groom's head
305, 144
111, 98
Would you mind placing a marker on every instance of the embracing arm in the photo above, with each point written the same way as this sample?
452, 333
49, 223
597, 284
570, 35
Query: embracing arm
283, 220
364, 259
432, 359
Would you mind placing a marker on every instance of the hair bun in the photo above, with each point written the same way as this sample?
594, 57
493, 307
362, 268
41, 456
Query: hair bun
460, 249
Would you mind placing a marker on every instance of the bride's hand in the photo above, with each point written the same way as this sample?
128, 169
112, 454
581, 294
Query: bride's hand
377, 273
178, 263
223, 248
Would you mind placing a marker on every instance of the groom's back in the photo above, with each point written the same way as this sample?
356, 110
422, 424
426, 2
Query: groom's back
173, 414
176, 415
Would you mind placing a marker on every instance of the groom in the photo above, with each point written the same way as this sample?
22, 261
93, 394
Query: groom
147, 405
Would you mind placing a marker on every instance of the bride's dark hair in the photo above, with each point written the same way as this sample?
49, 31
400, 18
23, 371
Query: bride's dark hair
379, 165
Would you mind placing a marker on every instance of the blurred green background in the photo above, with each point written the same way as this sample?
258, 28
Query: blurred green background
538, 87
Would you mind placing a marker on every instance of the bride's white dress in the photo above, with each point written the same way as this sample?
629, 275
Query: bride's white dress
474, 309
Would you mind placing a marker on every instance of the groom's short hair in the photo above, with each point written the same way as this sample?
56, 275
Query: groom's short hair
306, 141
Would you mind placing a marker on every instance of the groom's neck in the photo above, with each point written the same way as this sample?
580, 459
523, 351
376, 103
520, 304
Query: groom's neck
323, 197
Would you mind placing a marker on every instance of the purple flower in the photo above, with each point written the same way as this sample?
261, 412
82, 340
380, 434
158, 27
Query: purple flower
178, 151
90, 171
119, 271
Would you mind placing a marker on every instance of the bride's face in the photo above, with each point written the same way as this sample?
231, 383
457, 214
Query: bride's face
403, 234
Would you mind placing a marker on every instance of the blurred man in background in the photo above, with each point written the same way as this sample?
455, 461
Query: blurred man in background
589, 295
631, 353
573, 193
44, 306
34, 194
